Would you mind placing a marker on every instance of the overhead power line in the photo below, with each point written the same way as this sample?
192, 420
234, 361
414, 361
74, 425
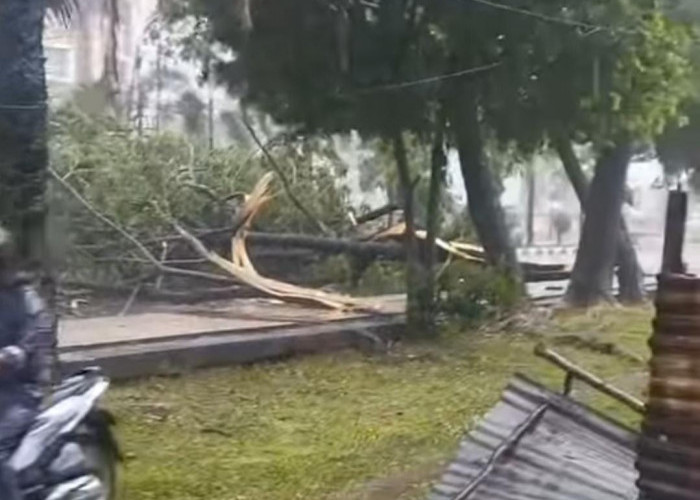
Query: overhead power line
548, 18
430, 79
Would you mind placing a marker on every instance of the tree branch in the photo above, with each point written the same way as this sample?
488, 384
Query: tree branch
132, 239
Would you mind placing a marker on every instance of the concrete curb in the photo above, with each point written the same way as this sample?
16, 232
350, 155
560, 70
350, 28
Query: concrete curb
177, 355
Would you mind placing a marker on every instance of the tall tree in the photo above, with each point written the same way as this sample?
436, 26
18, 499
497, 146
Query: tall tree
591, 72
23, 108
636, 108
342, 72
629, 272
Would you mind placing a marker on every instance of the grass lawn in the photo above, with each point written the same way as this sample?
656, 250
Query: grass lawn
348, 426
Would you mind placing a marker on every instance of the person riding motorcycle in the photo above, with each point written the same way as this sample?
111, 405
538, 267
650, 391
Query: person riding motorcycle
27, 347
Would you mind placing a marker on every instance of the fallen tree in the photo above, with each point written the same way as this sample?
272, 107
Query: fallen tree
240, 266
240, 269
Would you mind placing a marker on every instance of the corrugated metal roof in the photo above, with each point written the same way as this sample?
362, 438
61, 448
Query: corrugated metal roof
669, 452
538, 445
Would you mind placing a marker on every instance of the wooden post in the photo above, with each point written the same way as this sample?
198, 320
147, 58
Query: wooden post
674, 234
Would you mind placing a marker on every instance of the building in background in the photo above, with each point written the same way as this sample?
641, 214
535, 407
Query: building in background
117, 52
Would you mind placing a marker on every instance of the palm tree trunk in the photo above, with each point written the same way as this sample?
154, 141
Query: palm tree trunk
23, 147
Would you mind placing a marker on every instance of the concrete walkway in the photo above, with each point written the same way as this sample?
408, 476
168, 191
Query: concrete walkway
170, 339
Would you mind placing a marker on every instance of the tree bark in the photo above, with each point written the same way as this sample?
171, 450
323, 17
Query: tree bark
530, 175
110, 71
416, 322
438, 161
592, 274
24, 155
482, 195
629, 272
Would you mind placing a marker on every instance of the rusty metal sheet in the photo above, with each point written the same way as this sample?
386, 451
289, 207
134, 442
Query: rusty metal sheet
538, 445
669, 450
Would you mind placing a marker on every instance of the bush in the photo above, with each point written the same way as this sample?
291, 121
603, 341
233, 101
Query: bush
331, 270
382, 278
475, 294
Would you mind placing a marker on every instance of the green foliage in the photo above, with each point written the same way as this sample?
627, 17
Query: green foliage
331, 270
678, 147
328, 77
627, 77
658, 52
474, 294
130, 178
382, 278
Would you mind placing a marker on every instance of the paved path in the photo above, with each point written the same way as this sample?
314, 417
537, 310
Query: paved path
166, 322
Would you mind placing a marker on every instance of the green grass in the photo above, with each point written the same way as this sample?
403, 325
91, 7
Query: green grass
343, 426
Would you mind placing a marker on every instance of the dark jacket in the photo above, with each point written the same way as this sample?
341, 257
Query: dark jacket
27, 339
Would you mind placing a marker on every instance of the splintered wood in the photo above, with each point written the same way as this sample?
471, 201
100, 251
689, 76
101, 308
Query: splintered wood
465, 251
241, 267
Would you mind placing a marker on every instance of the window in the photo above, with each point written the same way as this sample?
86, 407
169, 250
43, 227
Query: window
59, 64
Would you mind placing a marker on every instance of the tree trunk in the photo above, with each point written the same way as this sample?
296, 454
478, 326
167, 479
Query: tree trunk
110, 71
24, 156
592, 274
530, 205
416, 322
482, 194
438, 162
629, 273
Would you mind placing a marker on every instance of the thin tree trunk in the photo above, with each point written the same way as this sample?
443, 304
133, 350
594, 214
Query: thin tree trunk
159, 70
24, 156
482, 195
210, 104
438, 162
415, 321
530, 205
630, 276
629, 272
110, 72
595, 259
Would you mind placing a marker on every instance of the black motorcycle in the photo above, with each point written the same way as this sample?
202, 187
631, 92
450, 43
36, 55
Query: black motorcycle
69, 452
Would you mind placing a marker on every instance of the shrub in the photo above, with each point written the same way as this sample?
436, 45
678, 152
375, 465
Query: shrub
381, 278
475, 294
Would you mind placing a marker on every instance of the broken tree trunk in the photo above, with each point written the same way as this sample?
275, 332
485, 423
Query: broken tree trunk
629, 273
240, 266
